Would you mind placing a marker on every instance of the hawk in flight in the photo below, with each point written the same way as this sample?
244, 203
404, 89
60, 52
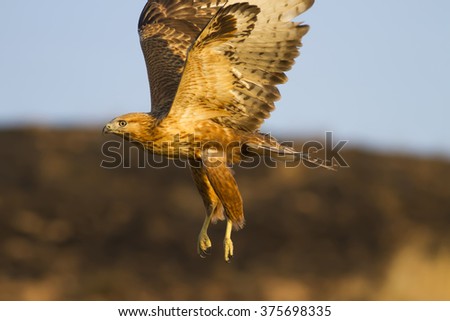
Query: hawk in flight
213, 67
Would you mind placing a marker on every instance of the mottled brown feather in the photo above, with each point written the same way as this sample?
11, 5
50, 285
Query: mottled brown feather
222, 181
213, 204
167, 28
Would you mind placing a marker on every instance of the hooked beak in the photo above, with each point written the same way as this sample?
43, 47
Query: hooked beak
107, 129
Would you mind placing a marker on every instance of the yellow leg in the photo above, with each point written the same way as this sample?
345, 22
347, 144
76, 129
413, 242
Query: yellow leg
204, 243
227, 243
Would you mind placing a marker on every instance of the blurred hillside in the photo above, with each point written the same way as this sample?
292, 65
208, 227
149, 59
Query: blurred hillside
71, 230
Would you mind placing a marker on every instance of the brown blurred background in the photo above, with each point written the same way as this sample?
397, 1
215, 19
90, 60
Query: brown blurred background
71, 230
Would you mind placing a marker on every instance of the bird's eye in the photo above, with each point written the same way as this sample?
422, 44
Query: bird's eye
122, 123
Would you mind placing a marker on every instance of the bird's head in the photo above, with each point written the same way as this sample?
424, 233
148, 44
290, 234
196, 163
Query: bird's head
134, 126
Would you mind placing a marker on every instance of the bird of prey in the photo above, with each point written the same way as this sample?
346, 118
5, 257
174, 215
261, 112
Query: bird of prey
213, 68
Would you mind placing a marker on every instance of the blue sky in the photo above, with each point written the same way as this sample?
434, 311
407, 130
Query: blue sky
376, 73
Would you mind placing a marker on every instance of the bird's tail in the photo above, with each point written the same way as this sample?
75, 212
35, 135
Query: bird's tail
267, 146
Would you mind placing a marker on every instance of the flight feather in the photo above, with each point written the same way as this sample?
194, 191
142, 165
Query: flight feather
237, 61
167, 28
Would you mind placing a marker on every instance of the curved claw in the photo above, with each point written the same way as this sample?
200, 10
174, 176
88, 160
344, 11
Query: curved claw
204, 253
204, 245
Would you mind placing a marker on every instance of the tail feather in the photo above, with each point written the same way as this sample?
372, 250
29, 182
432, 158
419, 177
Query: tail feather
271, 148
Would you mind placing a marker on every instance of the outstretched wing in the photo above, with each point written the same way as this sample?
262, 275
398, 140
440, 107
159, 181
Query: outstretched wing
167, 28
234, 66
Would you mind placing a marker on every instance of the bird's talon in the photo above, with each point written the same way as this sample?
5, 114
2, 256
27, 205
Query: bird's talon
228, 248
205, 253
204, 245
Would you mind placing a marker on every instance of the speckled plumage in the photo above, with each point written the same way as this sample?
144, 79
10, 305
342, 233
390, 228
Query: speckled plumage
213, 68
